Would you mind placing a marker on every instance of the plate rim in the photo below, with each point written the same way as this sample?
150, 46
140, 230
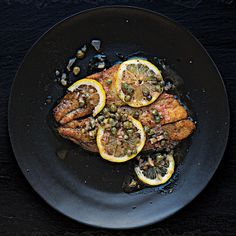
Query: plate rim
180, 26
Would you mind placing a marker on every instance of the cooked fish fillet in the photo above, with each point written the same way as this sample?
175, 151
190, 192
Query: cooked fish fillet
68, 109
167, 106
174, 123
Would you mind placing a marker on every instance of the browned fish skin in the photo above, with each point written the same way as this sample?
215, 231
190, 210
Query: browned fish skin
179, 130
167, 106
69, 103
75, 131
69, 107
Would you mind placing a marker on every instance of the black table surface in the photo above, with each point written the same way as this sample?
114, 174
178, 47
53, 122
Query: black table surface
23, 212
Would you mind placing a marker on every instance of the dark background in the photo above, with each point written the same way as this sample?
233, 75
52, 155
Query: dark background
23, 212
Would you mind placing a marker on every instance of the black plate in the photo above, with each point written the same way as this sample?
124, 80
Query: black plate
83, 186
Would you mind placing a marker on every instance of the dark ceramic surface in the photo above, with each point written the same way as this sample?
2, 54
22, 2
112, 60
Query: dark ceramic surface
92, 194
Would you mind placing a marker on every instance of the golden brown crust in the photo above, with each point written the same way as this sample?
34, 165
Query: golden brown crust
73, 131
69, 103
170, 109
167, 106
179, 130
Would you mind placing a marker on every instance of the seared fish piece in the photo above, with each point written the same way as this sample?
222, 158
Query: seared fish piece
166, 105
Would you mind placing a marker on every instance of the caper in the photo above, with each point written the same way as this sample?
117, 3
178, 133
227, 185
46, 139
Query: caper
130, 131
136, 114
134, 151
151, 132
165, 134
124, 117
145, 92
155, 112
108, 82
117, 116
130, 90
129, 152
127, 125
76, 70
127, 98
158, 88
113, 130
146, 129
92, 123
80, 54
118, 125
126, 137
149, 97
124, 86
106, 110
159, 157
113, 108
81, 103
157, 119
163, 142
112, 122
101, 118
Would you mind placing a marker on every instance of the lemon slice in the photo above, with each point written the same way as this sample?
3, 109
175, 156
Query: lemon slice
138, 82
120, 141
88, 85
156, 172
